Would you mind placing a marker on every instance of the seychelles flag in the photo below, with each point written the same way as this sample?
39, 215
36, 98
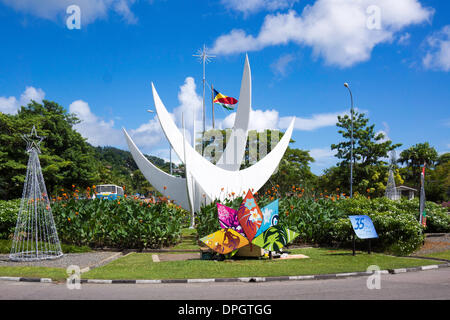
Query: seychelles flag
225, 101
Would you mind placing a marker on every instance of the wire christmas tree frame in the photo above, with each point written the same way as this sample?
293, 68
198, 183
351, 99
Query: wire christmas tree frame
35, 236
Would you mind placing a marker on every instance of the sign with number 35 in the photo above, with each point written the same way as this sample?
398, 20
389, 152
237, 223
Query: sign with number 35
363, 227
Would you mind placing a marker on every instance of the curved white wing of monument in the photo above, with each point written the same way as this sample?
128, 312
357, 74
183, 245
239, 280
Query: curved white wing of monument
234, 152
219, 183
166, 184
175, 186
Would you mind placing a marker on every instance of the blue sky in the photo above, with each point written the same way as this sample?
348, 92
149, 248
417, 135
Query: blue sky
394, 55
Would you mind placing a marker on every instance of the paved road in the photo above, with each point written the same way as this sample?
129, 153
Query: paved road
433, 284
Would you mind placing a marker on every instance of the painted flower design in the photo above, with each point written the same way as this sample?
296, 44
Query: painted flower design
250, 204
254, 216
267, 214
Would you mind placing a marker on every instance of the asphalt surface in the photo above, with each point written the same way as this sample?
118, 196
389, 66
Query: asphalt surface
433, 284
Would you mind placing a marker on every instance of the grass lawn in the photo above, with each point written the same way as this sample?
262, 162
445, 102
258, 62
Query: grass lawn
321, 261
439, 255
188, 240
5, 247
34, 272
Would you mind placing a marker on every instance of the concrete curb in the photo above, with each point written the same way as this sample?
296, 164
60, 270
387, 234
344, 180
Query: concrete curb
241, 279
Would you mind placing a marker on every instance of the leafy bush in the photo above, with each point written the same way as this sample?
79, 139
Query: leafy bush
8, 217
123, 223
325, 220
96, 223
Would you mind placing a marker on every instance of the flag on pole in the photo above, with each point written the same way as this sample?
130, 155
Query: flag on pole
225, 101
423, 215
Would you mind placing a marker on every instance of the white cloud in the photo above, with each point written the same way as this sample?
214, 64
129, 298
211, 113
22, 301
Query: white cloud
322, 155
148, 134
259, 120
404, 39
270, 119
190, 107
91, 10
316, 121
97, 131
280, 66
324, 158
336, 30
438, 56
11, 104
253, 6
385, 133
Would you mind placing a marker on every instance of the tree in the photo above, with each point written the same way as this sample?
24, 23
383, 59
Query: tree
293, 169
414, 157
369, 150
66, 158
437, 180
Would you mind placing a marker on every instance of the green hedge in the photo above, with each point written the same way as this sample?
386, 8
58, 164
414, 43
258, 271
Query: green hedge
325, 222
8, 217
125, 223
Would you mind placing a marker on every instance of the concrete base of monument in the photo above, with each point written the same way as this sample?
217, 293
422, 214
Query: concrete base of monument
293, 256
250, 251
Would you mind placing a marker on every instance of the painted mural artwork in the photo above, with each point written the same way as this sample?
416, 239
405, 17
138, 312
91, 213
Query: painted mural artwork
228, 218
225, 241
259, 228
250, 216
270, 217
275, 238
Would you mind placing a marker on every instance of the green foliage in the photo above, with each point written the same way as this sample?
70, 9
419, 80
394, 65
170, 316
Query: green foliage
124, 223
369, 149
66, 159
293, 169
416, 156
325, 220
437, 180
8, 217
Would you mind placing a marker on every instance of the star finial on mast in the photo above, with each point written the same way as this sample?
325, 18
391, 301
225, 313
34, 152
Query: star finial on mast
33, 140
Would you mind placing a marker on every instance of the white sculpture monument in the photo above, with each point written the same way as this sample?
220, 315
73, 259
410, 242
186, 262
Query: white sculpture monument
204, 180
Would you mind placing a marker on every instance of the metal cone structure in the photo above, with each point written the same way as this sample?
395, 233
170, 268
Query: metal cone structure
391, 189
423, 215
35, 237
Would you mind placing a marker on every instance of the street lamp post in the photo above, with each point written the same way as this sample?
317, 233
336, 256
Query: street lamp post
351, 141
170, 146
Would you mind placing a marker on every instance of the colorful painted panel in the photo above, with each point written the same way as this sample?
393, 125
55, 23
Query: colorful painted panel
225, 241
270, 217
274, 238
228, 218
250, 216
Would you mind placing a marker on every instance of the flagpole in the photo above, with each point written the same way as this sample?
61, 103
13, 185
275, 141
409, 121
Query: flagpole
212, 104
204, 80
204, 57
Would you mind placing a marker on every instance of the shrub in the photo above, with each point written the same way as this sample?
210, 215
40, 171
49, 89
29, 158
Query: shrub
8, 217
123, 223
96, 223
325, 220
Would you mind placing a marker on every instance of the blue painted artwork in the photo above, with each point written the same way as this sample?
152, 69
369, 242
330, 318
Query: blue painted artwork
363, 227
270, 214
